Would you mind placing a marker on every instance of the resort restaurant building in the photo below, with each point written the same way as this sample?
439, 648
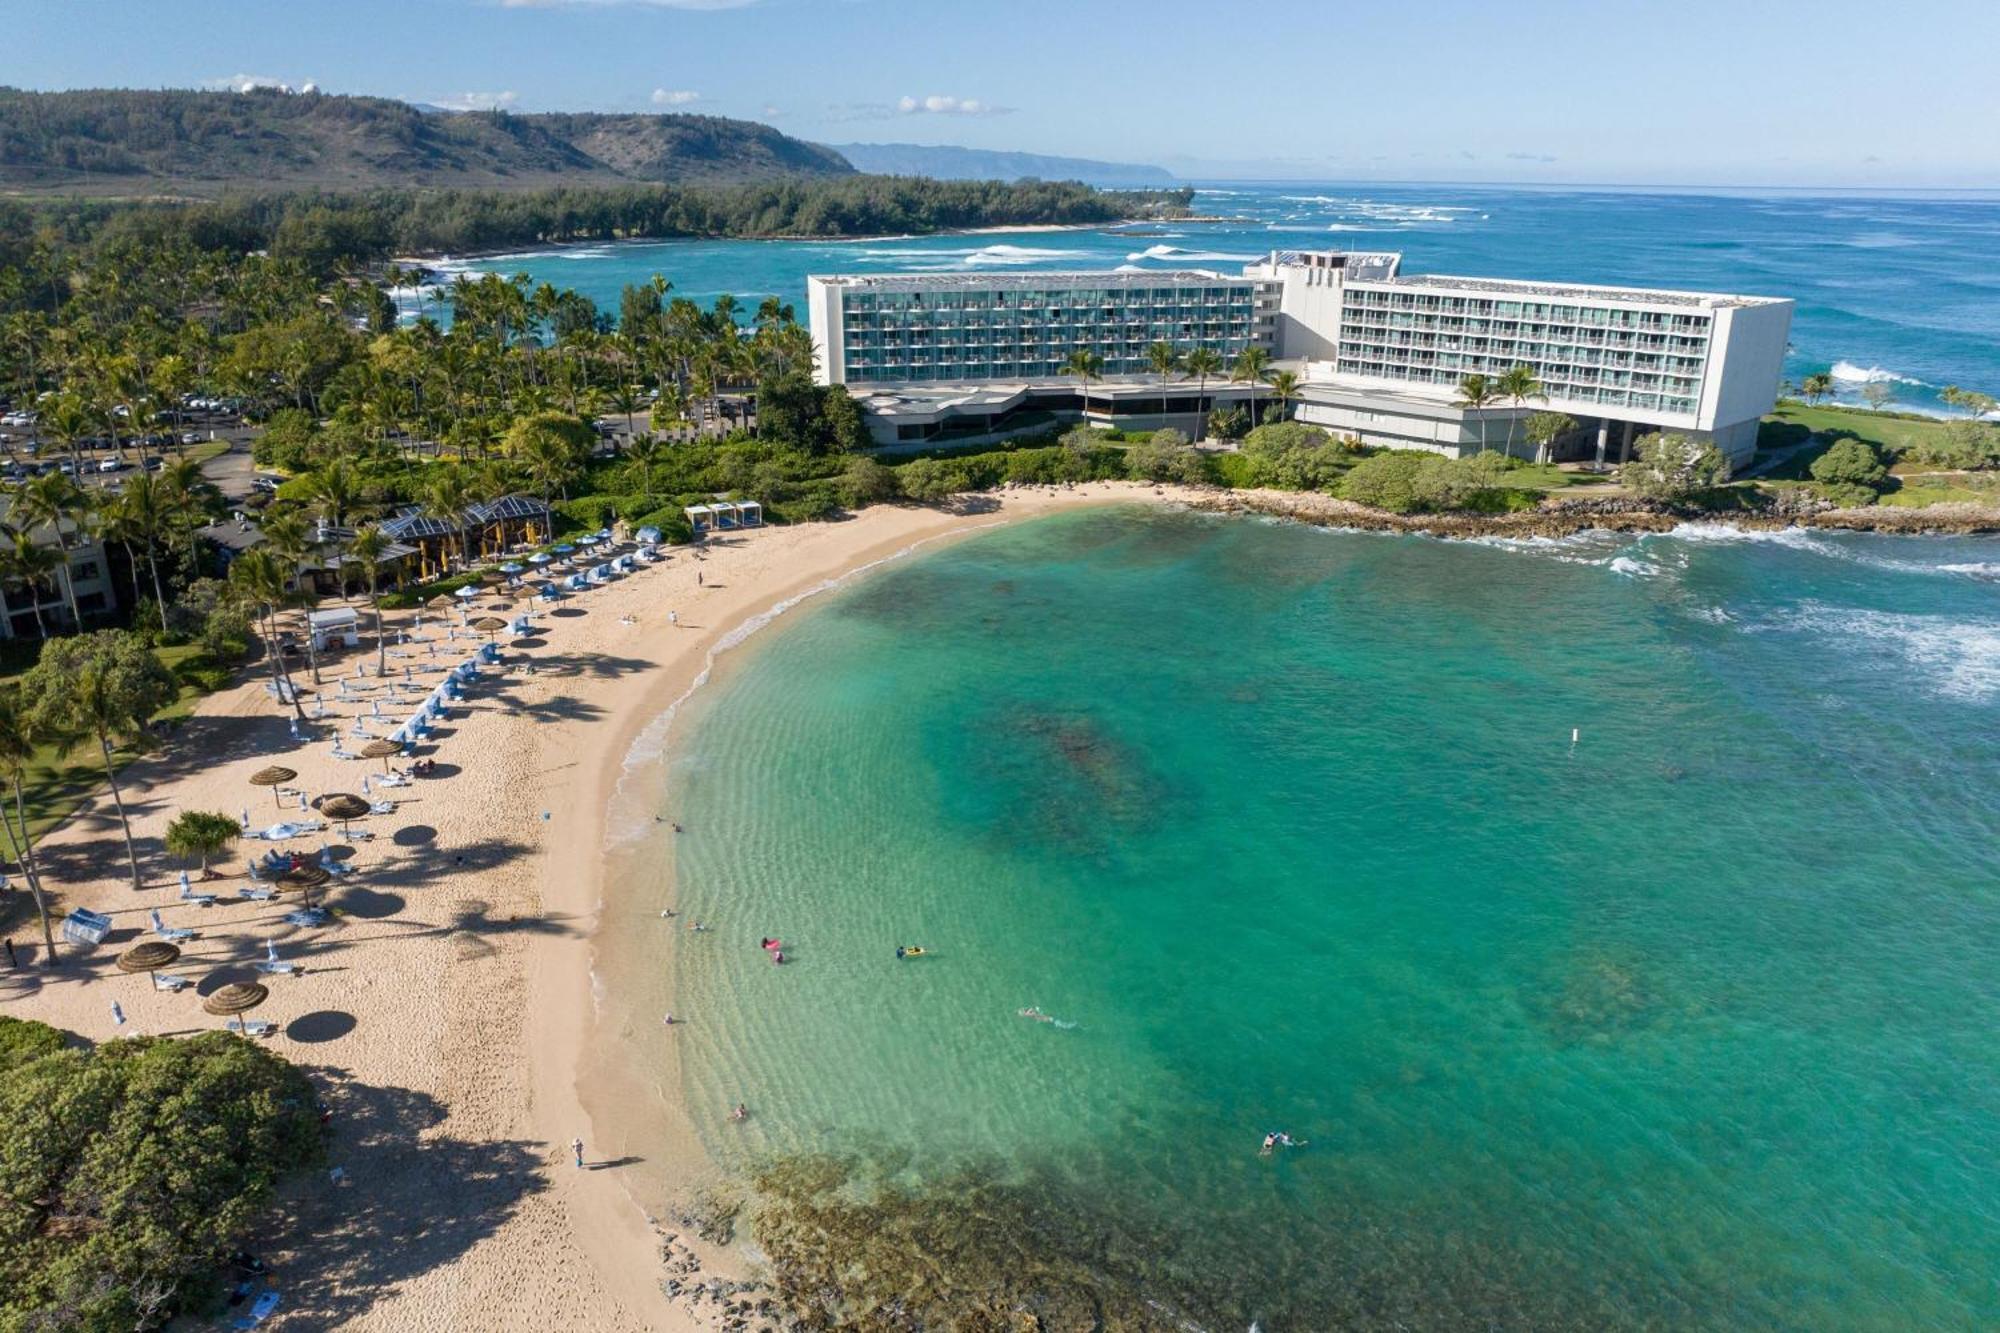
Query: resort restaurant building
1379, 354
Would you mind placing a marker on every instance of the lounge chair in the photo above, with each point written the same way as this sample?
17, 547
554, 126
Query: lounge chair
171, 934
272, 967
307, 916
188, 895
171, 984
258, 895
383, 807
251, 1027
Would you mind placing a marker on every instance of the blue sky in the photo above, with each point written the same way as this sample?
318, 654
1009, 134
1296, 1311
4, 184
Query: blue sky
1777, 92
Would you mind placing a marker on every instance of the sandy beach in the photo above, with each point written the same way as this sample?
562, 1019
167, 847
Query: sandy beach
447, 1010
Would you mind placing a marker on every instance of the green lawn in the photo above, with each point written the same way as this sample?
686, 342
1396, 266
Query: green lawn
54, 786
1886, 430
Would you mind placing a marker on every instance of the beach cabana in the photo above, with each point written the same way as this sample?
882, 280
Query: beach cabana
700, 517
511, 520
336, 627
647, 536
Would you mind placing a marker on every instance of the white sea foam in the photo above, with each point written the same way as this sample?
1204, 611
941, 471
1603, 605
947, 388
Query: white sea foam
1631, 568
1178, 255
1849, 373
1003, 255
1959, 658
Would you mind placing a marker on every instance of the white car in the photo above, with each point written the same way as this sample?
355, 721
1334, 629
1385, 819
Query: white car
110, 465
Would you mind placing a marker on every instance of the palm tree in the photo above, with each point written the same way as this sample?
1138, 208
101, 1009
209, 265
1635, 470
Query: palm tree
449, 496
645, 451
52, 500
334, 491
32, 564
368, 547
1816, 386
1518, 385
1476, 393
1086, 366
201, 833
1201, 363
1284, 387
1251, 363
190, 498
1165, 359
287, 538
141, 515
261, 580
17, 748
104, 687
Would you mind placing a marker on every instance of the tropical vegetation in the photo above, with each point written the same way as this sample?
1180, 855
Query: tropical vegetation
134, 1169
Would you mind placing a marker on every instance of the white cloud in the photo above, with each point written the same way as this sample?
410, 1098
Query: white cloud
935, 105
243, 83
773, 112
674, 97
477, 101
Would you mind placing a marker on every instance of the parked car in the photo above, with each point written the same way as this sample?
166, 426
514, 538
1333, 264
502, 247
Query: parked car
154, 463
112, 464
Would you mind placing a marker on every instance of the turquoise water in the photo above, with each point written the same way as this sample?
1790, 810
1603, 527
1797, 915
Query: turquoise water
1901, 290
1687, 1024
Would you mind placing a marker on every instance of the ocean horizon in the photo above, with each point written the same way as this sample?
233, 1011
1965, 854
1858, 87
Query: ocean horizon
1894, 288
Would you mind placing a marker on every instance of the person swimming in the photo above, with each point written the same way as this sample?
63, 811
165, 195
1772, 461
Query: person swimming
777, 957
741, 1112
1034, 1012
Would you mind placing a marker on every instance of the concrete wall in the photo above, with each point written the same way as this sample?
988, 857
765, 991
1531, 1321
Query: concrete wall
1746, 359
823, 316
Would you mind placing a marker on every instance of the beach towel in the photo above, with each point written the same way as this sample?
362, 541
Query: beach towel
260, 1310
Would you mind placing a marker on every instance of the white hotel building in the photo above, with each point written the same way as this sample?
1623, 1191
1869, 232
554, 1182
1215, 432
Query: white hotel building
1379, 354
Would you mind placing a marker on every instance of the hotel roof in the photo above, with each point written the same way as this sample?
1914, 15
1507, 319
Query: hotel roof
1575, 291
984, 282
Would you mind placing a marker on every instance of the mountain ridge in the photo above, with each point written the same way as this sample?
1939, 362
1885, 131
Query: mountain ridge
143, 142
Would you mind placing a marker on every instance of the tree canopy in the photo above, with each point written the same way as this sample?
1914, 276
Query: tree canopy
132, 1170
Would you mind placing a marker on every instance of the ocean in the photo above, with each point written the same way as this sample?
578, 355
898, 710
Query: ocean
1611, 921
1892, 289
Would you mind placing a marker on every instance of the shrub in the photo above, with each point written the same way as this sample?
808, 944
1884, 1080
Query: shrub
1237, 471
1293, 456
1960, 445
865, 482
1673, 467
1167, 456
1386, 481
22, 1040
1850, 472
135, 1168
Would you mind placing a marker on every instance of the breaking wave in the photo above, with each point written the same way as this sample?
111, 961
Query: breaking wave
1849, 373
1178, 255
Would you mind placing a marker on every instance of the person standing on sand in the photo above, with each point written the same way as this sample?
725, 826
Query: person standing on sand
674, 618
576, 1146
12, 962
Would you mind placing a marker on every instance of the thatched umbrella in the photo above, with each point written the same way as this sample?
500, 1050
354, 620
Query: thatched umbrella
307, 877
491, 576
439, 602
341, 805
381, 748
238, 997
489, 626
145, 957
273, 777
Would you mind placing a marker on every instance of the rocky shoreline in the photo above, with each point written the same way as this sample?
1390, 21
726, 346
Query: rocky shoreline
1565, 518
